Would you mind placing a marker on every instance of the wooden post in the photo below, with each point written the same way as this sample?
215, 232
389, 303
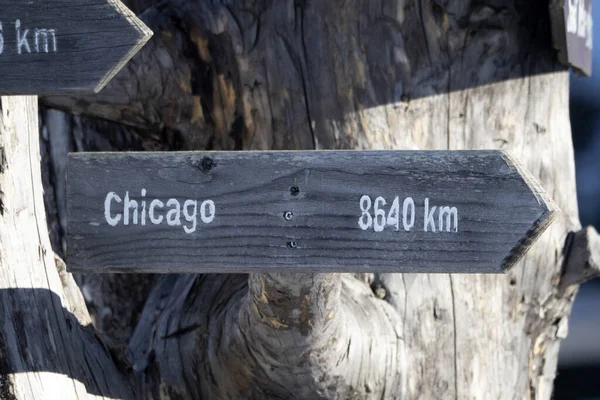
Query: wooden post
45, 349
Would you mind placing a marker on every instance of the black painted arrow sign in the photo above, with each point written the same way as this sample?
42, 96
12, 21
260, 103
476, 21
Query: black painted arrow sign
56, 46
571, 23
314, 211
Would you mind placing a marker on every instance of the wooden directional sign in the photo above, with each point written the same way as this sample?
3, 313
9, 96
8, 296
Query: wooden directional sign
55, 46
325, 211
572, 33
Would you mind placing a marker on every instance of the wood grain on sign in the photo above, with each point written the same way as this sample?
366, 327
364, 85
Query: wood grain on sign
572, 33
399, 211
65, 45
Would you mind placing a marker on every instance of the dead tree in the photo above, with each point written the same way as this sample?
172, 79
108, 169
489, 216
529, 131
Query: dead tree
302, 75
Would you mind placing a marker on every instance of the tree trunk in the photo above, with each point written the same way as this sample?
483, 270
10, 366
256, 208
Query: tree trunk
401, 74
47, 349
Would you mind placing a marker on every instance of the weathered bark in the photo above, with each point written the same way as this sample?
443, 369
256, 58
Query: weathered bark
365, 74
46, 349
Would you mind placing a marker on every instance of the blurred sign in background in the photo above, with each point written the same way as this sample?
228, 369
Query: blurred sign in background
579, 360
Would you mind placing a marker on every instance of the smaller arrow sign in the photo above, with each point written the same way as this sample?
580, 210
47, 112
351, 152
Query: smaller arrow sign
572, 33
51, 47
318, 211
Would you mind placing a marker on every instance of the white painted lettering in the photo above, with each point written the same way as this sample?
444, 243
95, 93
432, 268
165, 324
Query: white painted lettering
207, 217
153, 204
112, 221
379, 221
190, 217
143, 208
44, 34
393, 218
21, 40
408, 202
130, 204
580, 22
365, 206
428, 217
589, 34
145, 211
572, 17
174, 215
581, 18
448, 212
447, 216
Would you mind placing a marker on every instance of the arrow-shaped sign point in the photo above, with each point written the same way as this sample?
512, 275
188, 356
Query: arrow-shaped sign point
138, 34
59, 46
541, 218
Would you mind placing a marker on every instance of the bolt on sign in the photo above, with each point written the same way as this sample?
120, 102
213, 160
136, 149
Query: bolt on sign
51, 47
313, 211
572, 31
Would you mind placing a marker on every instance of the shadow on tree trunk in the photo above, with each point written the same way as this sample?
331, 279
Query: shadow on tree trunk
33, 348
